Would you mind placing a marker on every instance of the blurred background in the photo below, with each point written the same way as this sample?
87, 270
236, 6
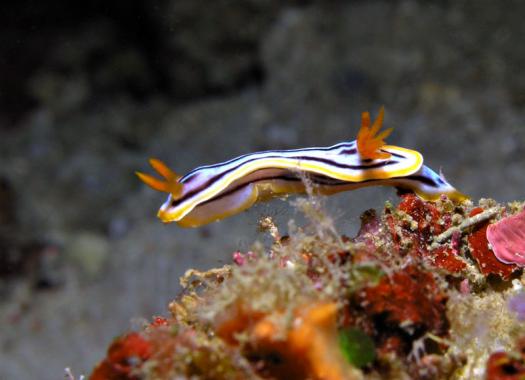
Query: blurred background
90, 90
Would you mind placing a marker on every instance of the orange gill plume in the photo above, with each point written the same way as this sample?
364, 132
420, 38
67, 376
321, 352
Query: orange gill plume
169, 185
369, 141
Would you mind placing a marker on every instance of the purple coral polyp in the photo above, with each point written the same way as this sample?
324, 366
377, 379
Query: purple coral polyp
507, 238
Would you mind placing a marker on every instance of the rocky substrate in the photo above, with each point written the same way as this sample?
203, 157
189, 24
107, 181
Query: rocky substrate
419, 293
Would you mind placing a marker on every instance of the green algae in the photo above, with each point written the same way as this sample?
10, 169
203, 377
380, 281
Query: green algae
357, 347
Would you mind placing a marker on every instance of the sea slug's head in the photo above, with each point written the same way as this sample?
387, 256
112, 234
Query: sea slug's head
168, 212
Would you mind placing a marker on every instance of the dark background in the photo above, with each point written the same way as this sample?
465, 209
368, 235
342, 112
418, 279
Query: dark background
90, 90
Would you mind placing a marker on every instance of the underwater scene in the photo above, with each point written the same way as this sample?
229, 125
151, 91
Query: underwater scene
262, 189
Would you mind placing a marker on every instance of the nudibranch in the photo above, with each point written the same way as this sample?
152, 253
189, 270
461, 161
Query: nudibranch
213, 192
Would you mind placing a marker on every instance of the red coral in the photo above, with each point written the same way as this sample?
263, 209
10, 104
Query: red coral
427, 222
124, 355
159, 321
409, 295
392, 343
447, 258
391, 226
501, 366
426, 214
404, 305
485, 258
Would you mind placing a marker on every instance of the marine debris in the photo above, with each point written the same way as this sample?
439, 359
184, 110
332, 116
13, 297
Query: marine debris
419, 293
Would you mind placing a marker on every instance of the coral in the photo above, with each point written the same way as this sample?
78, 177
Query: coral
504, 366
413, 295
401, 308
517, 305
124, 356
447, 259
507, 239
191, 352
307, 349
410, 297
481, 324
414, 224
484, 256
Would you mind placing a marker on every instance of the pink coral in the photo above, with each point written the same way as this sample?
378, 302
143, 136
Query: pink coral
479, 249
507, 238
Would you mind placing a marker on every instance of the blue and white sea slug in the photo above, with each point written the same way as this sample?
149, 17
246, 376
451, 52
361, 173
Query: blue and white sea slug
213, 192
